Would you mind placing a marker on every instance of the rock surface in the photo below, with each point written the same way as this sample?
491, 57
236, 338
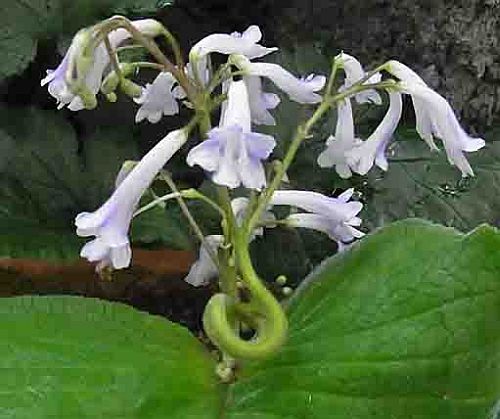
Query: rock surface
455, 45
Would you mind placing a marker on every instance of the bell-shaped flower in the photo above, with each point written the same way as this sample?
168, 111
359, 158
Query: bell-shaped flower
337, 147
232, 153
354, 73
336, 217
245, 43
362, 157
110, 223
301, 90
200, 68
239, 207
436, 118
159, 98
56, 80
204, 269
260, 102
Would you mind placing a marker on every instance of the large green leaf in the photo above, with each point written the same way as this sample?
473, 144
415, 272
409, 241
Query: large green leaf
421, 183
84, 358
403, 326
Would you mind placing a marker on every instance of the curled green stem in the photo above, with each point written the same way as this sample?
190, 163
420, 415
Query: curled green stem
264, 314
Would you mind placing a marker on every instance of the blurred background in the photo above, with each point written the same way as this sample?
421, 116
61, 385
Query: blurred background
54, 164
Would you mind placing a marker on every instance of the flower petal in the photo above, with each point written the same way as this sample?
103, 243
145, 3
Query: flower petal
300, 90
110, 223
235, 43
362, 157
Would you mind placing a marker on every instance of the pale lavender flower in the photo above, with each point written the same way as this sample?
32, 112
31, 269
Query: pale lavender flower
260, 102
362, 156
110, 223
245, 43
159, 98
435, 118
353, 73
337, 147
232, 153
57, 79
239, 207
301, 90
204, 269
336, 217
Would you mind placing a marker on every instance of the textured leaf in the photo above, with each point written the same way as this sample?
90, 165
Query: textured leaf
404, 326
22, 22
164, 226
85, 358
421, 183
47, 177
76, 14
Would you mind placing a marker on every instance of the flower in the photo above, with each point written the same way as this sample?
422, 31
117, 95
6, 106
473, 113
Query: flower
245, 43
232, 153
335, 217
363, 155
159, 98
110, 223
299, 90
93, 69
435, 118
344, 141
260, 101
353, 73
239, 207
204, 269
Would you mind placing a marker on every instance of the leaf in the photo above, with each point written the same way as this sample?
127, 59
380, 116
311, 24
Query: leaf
420, 183
47, 177
22, 22
30, 240
86, 358
76, 14
164, 226
405, 325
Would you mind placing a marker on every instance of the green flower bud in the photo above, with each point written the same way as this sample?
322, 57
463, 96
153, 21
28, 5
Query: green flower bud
130, 88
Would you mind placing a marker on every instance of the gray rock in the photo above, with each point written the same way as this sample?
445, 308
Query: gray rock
455, 45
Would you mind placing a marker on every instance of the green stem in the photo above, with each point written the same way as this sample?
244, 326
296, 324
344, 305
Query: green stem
267, 316
175, 47
116, 22
303, 132
155, 202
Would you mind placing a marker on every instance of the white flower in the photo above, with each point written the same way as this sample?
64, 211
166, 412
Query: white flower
202, 68
57, 79
344, 141
362, 157
335, 217
353, 73
232, 153
301, 90
239, 207
204, 269
260, 101
110, 223
245, 44
159, 98
435, 118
